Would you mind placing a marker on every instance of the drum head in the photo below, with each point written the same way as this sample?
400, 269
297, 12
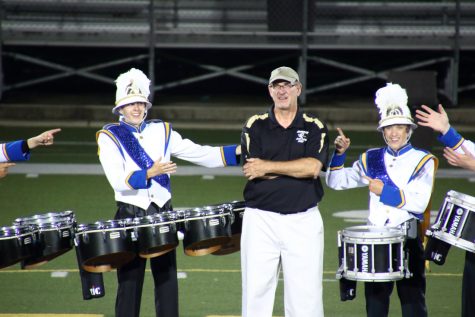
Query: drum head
205, 247
154, 252
234, 245
107, 262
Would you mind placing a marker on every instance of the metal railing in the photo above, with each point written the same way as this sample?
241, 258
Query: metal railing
447, 27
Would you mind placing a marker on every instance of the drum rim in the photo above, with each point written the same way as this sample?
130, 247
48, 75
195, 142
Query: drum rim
61, 214
374, 277
452, 240
126, 224
463, 197
383, 232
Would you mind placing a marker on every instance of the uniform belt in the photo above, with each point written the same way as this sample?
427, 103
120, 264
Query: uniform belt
126, 210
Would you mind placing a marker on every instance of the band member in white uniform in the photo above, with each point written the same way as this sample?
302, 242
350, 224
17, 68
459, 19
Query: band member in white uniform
285, 149
400, 180
135, 155
461, 153
16, 151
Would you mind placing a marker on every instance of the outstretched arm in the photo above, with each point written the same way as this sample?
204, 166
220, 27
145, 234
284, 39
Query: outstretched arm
44, 139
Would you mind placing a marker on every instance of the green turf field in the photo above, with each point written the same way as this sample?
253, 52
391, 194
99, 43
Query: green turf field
211, 286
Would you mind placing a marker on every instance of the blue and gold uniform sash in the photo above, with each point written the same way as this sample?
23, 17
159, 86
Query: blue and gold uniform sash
137, 153
373, 163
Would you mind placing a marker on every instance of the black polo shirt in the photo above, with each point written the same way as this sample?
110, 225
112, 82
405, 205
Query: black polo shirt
263, 137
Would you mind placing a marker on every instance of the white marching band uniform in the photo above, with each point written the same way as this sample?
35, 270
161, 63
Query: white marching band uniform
159, 140
126, 151
412, 172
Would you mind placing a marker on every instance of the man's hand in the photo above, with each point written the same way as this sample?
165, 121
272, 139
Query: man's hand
342, 143
159, 168
466, 160
4, 169
438, 121
254, 168
375, 185
44, 139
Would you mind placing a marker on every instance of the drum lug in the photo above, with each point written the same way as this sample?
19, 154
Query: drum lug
134, 234
339, 273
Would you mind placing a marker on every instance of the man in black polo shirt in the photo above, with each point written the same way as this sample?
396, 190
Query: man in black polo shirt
284, 151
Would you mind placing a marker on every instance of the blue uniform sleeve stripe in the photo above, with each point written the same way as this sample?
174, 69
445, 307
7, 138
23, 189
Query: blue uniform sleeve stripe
392, 196
451, 139
13, 151
228, 155
338, 160
138, 180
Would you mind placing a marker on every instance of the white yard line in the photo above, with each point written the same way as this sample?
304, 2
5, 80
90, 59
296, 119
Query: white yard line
96, 169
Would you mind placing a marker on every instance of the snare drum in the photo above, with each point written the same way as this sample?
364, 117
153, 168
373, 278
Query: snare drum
205, 229
234, 226
55, 236
455, 222
372, 254
16, 244
156, 234
104, 246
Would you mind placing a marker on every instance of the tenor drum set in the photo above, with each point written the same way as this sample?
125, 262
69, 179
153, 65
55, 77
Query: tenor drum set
106, 245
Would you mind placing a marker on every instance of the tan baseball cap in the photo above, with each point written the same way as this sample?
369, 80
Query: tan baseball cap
284, 73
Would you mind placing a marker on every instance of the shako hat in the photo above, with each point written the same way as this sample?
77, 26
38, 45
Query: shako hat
132, 86
391, 101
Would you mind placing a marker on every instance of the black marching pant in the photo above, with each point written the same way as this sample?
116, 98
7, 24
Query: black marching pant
468, 286
131, 276
411, 291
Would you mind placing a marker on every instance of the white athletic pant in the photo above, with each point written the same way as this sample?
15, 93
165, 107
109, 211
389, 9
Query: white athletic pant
294, 242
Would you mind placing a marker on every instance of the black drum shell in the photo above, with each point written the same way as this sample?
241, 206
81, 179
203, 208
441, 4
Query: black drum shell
155, 235
102, 250
205, 231
55, 236
235, 229
16, 244
53, 241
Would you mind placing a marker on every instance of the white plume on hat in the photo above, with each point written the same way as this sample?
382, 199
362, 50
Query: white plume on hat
132, 86
392, 104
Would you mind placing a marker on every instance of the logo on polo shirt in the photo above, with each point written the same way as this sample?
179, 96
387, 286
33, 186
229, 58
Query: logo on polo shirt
301, 136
